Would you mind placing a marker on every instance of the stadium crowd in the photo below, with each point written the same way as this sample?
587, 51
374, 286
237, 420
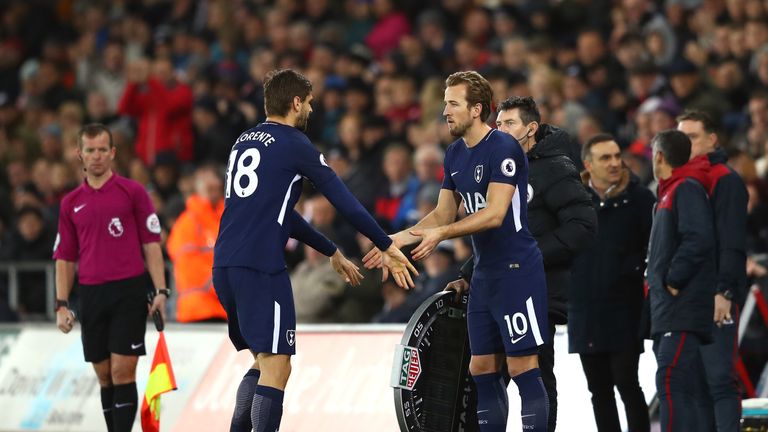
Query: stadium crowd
177, 81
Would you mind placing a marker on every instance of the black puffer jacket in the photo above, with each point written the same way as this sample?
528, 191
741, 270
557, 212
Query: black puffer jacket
560, 213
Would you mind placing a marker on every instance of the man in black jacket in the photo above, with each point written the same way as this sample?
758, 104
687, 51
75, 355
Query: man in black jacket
606, 296
728, 197
560, 217
681, 278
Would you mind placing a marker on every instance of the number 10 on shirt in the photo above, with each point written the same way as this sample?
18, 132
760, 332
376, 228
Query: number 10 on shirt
246, 167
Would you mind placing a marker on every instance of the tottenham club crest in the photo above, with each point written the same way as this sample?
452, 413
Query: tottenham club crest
290, 336
478, 173
115, 227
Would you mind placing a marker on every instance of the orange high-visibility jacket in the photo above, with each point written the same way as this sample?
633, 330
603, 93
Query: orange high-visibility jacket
190, 246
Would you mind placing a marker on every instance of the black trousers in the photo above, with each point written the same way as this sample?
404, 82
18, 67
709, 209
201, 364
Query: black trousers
721, 386
678, 379
603, 372
547, 367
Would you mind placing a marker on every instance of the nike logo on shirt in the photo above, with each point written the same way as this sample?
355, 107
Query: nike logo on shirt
454, 173
80, 207
123, 405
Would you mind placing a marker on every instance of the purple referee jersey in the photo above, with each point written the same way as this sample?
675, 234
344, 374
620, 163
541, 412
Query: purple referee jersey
103, 230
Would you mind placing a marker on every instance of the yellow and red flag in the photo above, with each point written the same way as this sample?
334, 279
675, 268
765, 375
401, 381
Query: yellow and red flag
161, 380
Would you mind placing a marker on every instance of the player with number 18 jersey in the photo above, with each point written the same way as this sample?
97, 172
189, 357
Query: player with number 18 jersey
263, 182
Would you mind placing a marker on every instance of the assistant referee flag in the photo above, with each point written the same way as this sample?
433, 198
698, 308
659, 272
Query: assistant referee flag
161, 380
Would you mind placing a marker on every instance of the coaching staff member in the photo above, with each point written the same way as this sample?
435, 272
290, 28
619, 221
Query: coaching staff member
109, 228
681, 278
606, 296
728, 197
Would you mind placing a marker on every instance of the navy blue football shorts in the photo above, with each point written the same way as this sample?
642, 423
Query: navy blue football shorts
508, 314
260, 312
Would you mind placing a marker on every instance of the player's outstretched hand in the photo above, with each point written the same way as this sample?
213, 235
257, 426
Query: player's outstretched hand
460, 286
158, 303
430, 237
346, 269
395, 262
65, 320
373, 259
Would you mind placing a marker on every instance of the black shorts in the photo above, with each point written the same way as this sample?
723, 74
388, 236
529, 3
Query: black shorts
113, 317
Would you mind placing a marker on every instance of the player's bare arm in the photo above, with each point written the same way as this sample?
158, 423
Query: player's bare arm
444, 213
65, 278
492, 216
153, 255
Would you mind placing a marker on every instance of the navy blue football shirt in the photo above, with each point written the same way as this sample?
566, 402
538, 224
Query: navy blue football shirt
468, 171
263, 182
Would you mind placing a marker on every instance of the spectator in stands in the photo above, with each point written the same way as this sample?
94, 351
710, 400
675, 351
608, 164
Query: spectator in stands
317, 289
213, 139
162, 106
30, 240
390, 26
102, 74
190, 247
428, 167
397, 170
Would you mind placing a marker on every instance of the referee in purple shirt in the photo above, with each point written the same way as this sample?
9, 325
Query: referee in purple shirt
109, 228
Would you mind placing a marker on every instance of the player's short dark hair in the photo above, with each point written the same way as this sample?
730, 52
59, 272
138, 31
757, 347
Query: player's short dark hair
675, 145
92, 130
700, 116
478, 90
526, 106
281, 87
586, 149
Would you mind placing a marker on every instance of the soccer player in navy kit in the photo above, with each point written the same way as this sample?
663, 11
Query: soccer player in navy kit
487, 171
263, 183
108, 227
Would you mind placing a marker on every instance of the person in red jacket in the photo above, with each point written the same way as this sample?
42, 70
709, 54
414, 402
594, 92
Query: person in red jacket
162, 107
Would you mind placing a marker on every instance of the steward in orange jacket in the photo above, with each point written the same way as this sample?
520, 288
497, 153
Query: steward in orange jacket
190, 246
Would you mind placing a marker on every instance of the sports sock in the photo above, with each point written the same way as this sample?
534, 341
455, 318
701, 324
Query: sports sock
124, 408
107, 397
534, 401
492, 402
267, 409
241, 419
